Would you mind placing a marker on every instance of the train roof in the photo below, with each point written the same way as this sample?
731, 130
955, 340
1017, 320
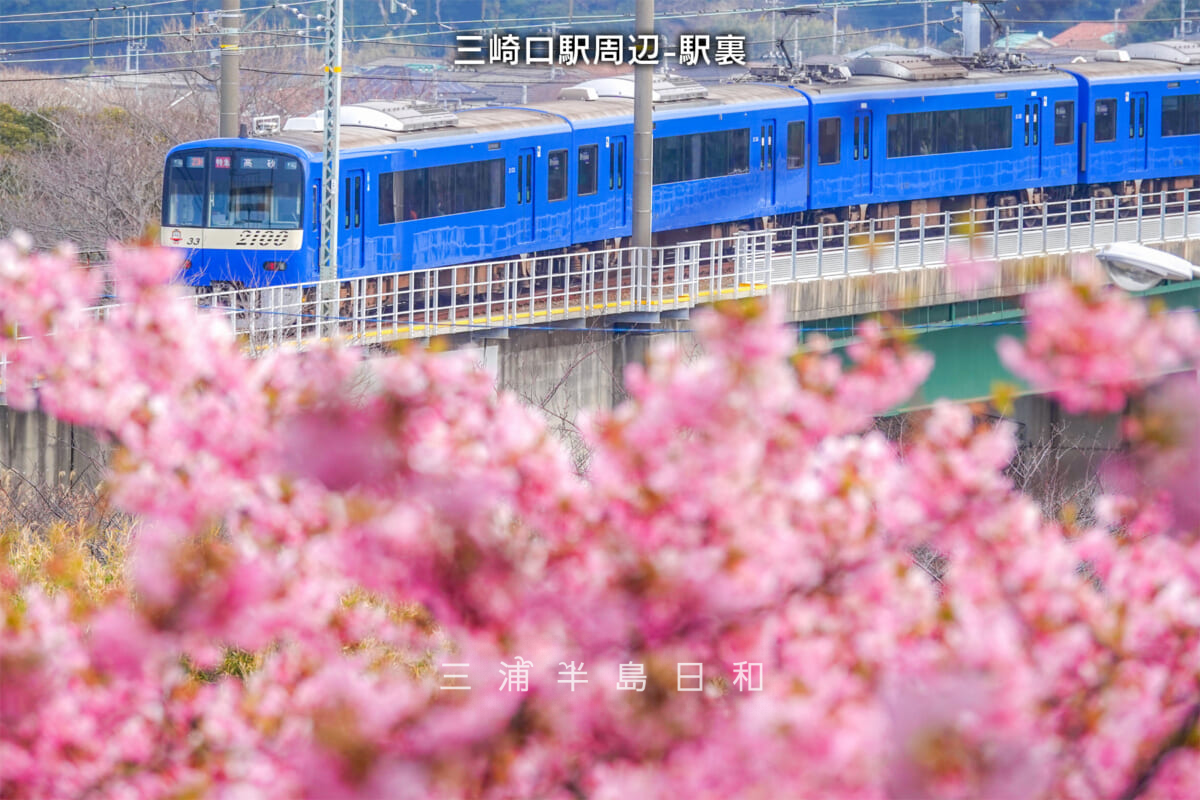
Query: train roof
868, 85
382, 123
1120, 71
734, 97
370, 131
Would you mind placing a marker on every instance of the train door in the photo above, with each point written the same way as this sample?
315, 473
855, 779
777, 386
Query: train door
1137, 129
862, 152
616, 176
1033, 134
766, 156
525, 184
350, 238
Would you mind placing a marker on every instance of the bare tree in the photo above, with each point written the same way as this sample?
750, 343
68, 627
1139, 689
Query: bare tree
100, 176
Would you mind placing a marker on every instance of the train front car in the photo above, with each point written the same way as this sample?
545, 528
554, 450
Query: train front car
242, 210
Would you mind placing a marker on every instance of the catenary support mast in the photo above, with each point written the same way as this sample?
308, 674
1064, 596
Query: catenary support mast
643, 131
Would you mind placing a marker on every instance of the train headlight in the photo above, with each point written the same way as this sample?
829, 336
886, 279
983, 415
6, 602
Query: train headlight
274, 266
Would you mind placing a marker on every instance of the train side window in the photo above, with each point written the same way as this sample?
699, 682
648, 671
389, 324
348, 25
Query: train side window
621, 163
829, 140
416, 197
556, 187
949, 138
438, 191
441, 191
1181, 115
1064, 122
924, 133
795, 145
714, 156
589, 157
388, 201
492, 193
1105, 129
698, 155
739, 152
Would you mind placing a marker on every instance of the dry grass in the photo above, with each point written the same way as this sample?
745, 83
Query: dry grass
63, 538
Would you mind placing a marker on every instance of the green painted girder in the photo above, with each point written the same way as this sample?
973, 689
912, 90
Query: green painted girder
962, 338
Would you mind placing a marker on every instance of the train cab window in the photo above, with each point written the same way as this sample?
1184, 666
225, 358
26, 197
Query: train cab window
438, 191
253, 189
1106, 121
589, 158
829, 140
556, 188
795, 145
183, 201
1064, 122
695, 156
1181, 115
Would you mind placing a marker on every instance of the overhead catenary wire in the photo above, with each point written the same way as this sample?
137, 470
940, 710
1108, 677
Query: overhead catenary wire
399, 39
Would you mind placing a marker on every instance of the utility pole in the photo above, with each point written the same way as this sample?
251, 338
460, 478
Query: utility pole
231, 19
835, 41
329, 164
970, 28
643, 132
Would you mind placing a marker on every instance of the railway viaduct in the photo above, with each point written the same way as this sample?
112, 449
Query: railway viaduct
559, 334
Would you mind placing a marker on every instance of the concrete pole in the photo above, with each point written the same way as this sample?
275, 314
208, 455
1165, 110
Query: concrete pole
834, 47
231, 20
771, 49
970, 29
643, 132
925, 25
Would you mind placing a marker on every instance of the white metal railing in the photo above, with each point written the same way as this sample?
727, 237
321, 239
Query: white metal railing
540, 290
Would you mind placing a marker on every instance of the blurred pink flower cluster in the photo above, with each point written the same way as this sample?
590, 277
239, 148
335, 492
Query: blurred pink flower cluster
739, 507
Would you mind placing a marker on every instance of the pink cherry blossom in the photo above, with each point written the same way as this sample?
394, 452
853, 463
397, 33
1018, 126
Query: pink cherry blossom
351, 527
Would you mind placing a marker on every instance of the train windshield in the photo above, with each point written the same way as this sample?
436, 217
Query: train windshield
233, 189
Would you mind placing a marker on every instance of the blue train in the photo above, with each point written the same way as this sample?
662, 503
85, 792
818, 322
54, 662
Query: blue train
422, 187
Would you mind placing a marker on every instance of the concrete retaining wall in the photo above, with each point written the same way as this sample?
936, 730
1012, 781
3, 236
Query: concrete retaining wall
46, 451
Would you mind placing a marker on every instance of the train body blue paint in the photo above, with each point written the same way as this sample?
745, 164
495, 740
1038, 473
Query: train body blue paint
420, 188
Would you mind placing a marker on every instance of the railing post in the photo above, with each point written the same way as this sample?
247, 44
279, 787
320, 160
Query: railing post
1020, 230
896, 242
1045, 224
1092, 224
945, 236
1139, 218
995, 232
921, 240
794, 235
846, 248
820, 249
